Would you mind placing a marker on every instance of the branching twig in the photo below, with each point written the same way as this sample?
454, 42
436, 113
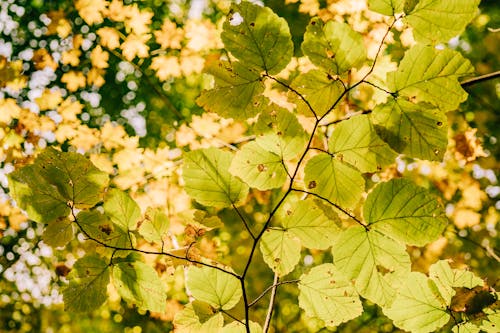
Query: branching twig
268, 289
242, 218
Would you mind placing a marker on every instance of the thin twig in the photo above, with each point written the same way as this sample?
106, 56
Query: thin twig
232, 317
271, 303
268, 289
481, 78
244, 221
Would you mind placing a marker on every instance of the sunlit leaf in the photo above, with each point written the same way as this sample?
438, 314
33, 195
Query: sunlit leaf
154, 226
88, 281
491, 325
58, 233
237, 91
426, 74
333, 46
280, 250
279, 132
258, 37
208, 180
138, 284
466, 327
122, 209
236, 327
416, 307
334, 180
326, 294
386, 7
100, 228
258, 167
376, 263
56, 181
439, 21
405, 212
198, 317
416, 130
219, 289
359, 145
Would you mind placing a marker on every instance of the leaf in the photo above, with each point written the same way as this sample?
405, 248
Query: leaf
279, 132
236, 327
466, 327
219, 289
258, 167
426, 74
491, 325
58, 233
333, 46
376, 263
405, 212
386, 7
100, 228
137, 283
318, 88
281, 251
122, 209
308, 223
416, 307
198, 317
416, 130
334, 180
237, 91
326, 294
208, 180
88, 281
447, 278
154, 226
57, 180
357, 142
258, 37
439, 21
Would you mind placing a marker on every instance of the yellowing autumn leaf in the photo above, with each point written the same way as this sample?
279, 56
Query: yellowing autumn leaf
112, 135
464, 218
11, 74
191, 63
73, 80
42, 58
467, 146
69, 109
8, 110
85, 138
109, 37
102, 162
138, 21
169, 36
71, 57
58, 24
91, 10
64, 132
49, 100
166, 67
99, 57
135, 45
117, 11
95, 77
202, 35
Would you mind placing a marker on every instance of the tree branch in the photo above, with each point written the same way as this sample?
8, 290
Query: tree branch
269, 288
479, 79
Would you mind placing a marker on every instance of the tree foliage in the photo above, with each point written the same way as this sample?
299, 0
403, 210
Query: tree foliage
220, 171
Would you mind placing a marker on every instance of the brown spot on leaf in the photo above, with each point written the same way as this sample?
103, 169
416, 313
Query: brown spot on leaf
312, 184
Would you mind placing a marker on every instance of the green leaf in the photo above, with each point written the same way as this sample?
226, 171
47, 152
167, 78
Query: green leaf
376, 263
154, 226
493, 323
87, 286
319, 89
257, 37
405, 212
236, 327
466, 327
447, 278
279, 132
334, 180
333, 46
386, 7
58, 233
326, 294
56, 181
100, 228
219, 289
208, 180
280, 250
259, 168
122, 209
426, 74
308, 223
237, 91
137, 283
416, 130
417, 307
356, 141
198, 317
439, 21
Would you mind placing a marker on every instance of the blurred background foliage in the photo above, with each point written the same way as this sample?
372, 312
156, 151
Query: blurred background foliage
72, 75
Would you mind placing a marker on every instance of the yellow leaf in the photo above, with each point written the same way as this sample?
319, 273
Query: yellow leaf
42, 58
466, 218
73, 80
85, 138
166, 67
202, 35
169, 36
191, 63
467, 146
99, 57
109, 37
117, 11
58, 24
11, 74
9, 110
137, 21
95, 77
112, 135
91, 10
69, 109
71, 57
135, 45
49, 100
65, 132
102, 162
